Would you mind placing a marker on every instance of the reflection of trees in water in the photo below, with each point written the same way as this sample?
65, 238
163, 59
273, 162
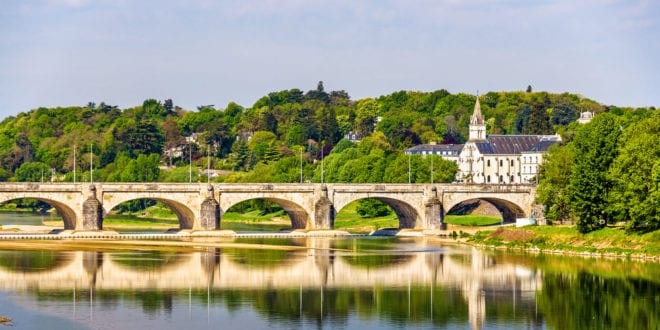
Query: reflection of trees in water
586, 301
143, 260
371, 253
264, 257
33, 261
399, 306
260, 257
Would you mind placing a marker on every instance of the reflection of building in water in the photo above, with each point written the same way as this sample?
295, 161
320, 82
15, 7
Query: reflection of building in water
475, 273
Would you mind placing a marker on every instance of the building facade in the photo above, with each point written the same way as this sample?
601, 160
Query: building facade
446, 151
500, 159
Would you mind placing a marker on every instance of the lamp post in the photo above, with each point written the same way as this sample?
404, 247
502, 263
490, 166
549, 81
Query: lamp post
409, 180
91, 163
432, 156
74, 164
189, 162
322, 178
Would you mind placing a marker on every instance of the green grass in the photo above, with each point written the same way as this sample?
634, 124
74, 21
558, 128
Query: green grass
348, 219
472, 220
567, 238
254, 216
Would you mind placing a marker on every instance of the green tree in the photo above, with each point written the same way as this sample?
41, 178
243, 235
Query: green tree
33, 172
554, 178
366, 116
371, 208
636, 196
595, 148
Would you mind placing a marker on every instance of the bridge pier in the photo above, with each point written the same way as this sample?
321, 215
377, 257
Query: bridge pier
92, 211
433, 212
324, 214
209, 214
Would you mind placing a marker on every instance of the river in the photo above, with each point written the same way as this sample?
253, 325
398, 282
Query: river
320, 283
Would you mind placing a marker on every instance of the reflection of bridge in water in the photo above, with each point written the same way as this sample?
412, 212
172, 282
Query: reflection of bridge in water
473, 272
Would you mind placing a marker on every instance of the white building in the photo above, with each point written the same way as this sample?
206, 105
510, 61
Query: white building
446, 151
500, 159
585, 117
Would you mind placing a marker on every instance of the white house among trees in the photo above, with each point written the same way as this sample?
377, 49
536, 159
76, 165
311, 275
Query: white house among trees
500, 159
493, 159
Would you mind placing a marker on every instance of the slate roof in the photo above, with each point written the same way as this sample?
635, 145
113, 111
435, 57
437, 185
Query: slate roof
514, 144
455, 148
543, 145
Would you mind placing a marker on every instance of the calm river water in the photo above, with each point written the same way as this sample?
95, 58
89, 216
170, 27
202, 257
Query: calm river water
364, 283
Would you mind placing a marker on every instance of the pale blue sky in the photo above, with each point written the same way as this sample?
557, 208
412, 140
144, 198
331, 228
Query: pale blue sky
70, 52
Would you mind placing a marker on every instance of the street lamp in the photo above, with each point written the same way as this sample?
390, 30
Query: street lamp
301, 165
189, 162
409, 181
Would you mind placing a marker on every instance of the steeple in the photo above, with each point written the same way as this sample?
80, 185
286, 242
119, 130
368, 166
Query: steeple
477, 124
477, 118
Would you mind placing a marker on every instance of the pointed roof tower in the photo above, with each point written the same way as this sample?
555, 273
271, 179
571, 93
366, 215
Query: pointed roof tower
477, 118
477, 124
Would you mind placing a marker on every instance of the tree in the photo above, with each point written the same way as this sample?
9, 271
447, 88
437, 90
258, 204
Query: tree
554, 177
32, 172
366, 116
595, 148
371, 208
636, 175
169, 106
318, 94
539, 121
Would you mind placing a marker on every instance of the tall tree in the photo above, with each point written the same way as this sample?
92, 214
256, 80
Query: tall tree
595, 146
554, 178
636, 174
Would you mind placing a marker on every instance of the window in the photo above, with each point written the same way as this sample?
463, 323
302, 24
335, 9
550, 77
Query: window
488, 163
501, 163
501, 179
512, 162
512, 179
488, 179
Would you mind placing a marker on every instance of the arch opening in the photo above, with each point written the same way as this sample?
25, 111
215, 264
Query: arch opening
264, 214
148, 214
484, 211
41, 207
404, 215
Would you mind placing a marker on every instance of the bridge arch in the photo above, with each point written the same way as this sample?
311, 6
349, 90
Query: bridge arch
183, 213
406, 214
299, 216
508, 209
67, 213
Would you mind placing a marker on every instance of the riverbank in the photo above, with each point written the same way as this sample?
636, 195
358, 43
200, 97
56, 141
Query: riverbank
607, 242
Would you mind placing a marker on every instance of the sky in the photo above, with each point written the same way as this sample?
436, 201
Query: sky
202, 52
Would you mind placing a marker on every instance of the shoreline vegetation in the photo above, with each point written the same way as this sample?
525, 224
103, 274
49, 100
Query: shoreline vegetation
607, 242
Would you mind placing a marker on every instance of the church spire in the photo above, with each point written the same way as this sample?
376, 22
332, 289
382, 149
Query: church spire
477, 118
477, 124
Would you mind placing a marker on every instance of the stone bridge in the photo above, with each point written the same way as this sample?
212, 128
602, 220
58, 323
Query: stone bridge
312, 206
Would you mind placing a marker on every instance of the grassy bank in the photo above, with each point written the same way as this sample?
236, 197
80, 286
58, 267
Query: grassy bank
472, 220
610, 241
